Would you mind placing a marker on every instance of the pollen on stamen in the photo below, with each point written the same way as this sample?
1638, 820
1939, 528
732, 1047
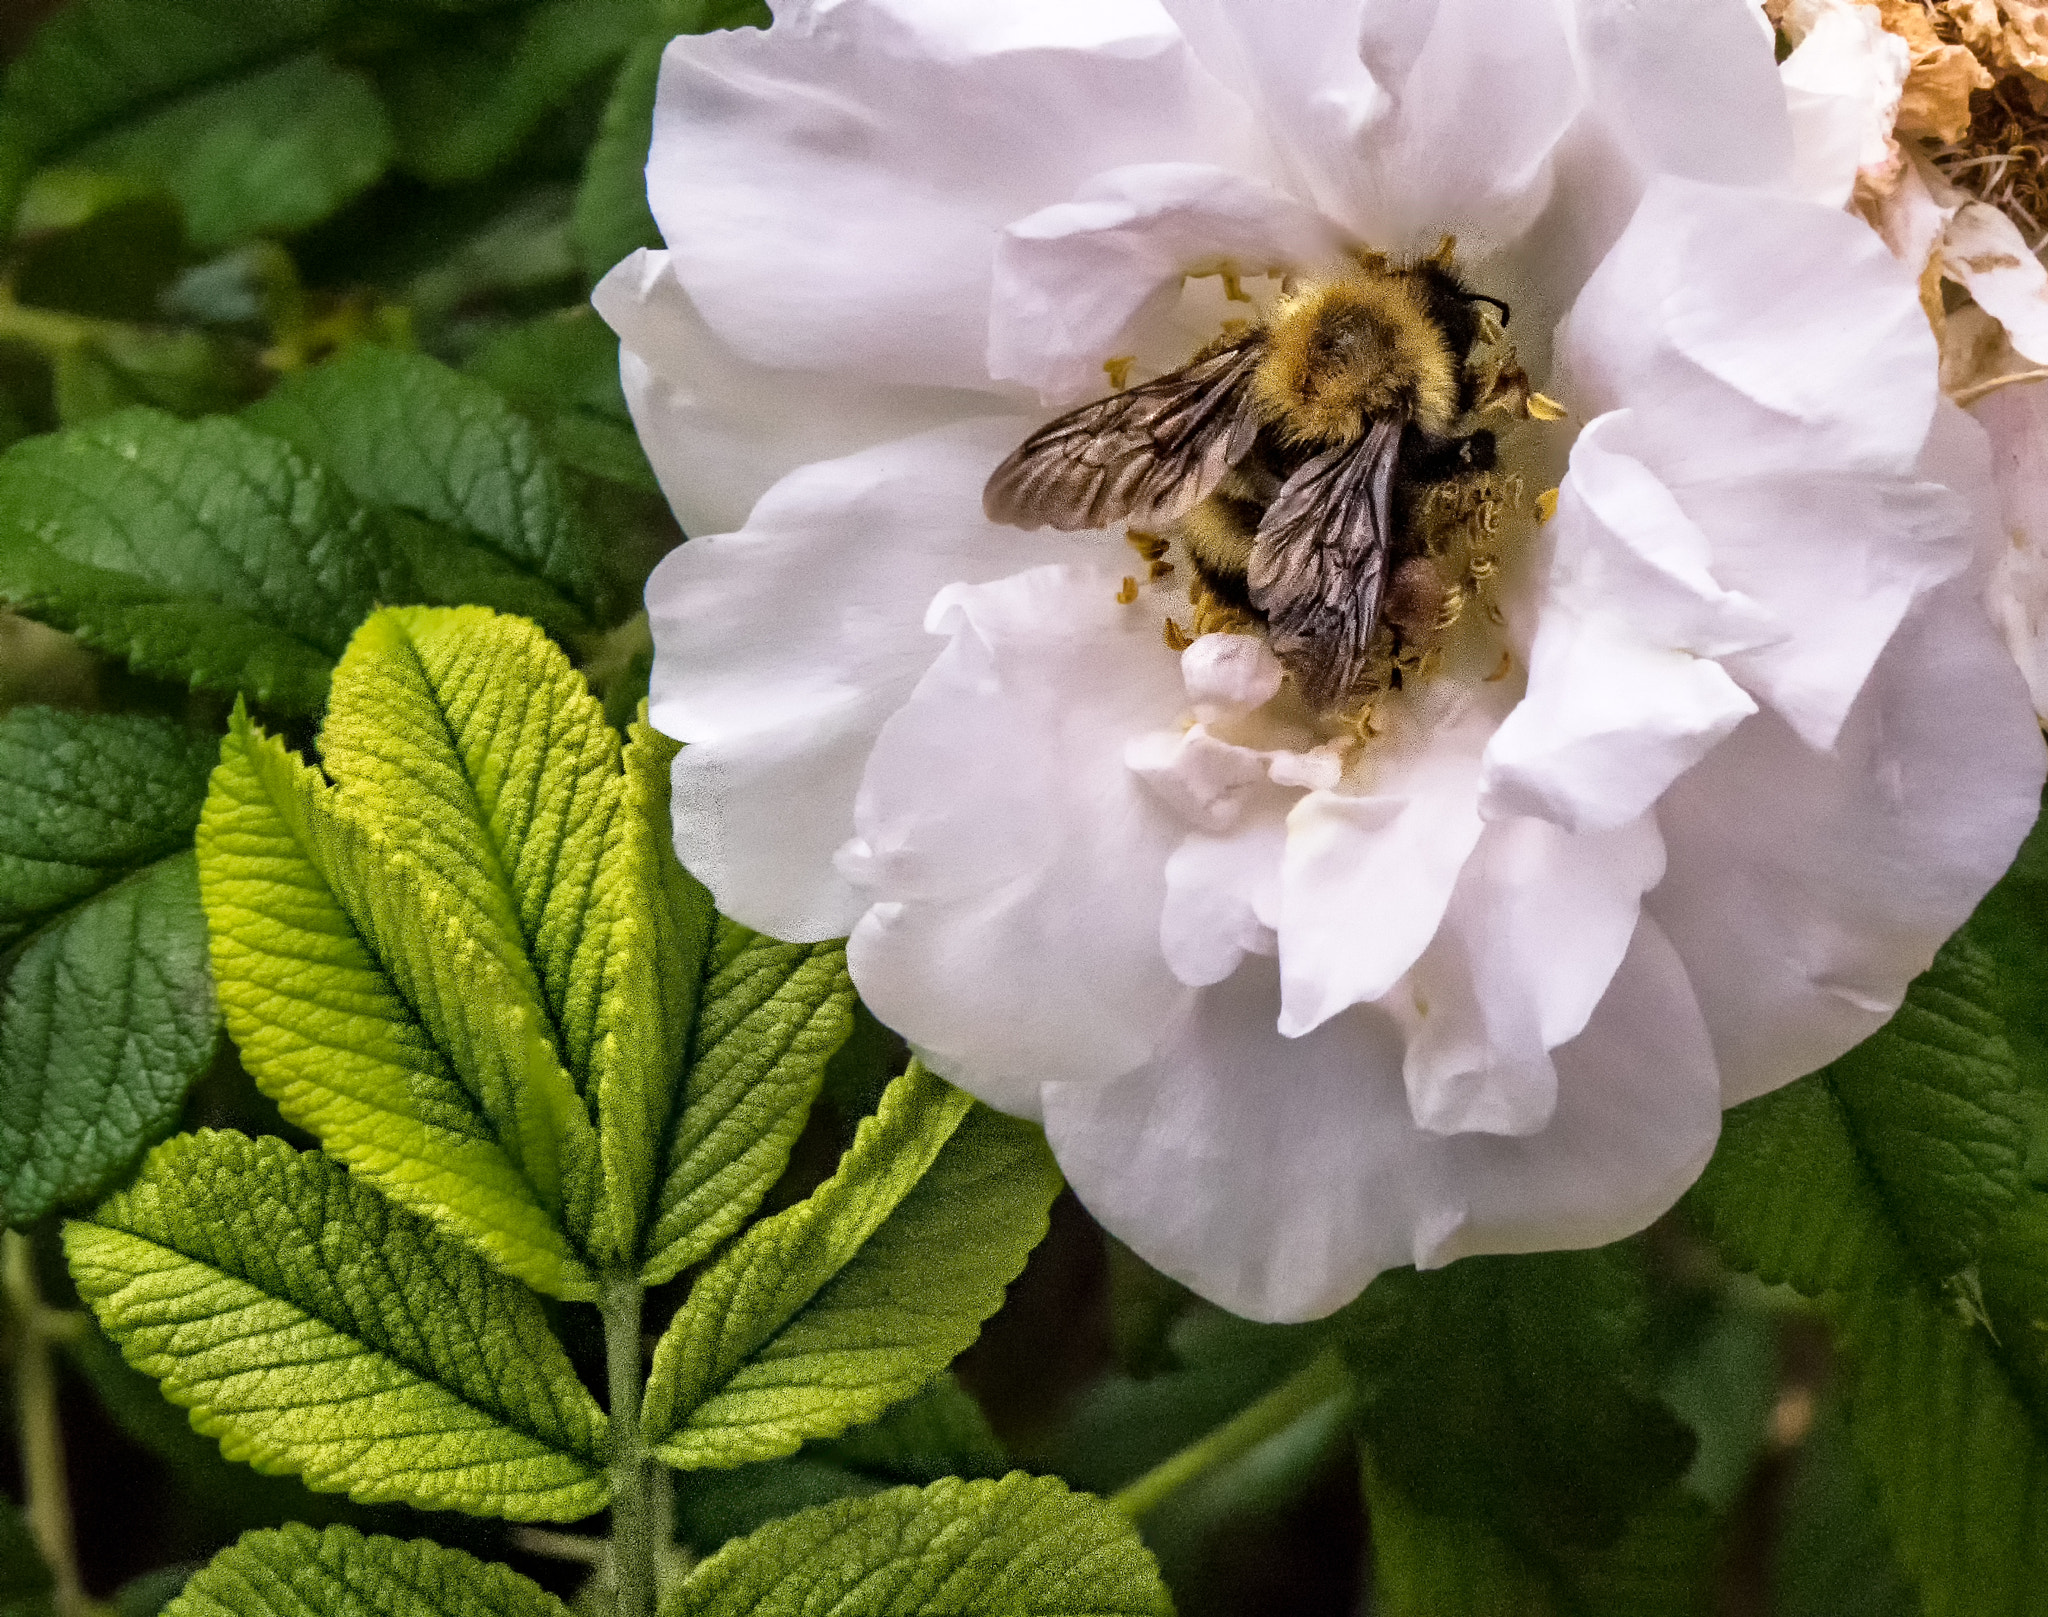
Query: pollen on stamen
1506, 667
1546, 505
1118, 370
1177, 638
1148, 545
1129, 592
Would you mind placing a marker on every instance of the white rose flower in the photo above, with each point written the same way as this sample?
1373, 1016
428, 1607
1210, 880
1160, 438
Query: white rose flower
1710, 766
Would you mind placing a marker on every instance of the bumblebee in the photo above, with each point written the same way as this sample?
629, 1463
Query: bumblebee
1290, 458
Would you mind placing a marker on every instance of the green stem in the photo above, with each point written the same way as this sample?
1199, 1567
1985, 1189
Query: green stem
1307, 1390
48, 1506
637, 1532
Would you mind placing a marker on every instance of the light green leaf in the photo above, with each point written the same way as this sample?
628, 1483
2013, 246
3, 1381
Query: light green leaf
404, 430
769, 1019
612, 218
201, 552
99, 60
106, 1007
1020, 1547
295, 1571
1539, 1422
270, 153
562, 373
651, 1007
469, 95
324, 1026
314, 1328
826, 1314
25, 1583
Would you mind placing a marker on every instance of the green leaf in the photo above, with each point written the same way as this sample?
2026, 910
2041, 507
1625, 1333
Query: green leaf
769, 1018
562, 373
202, 552
314, 1328
466, 98
271, 153
1427, 1565
1515, 1390
107, 1014
1893, 1187
404, 430
295, 1571
1832, 1552
350, 1061
612, 218
99, 60
939, 1433
25, 1583
826, 1314
1020, 1547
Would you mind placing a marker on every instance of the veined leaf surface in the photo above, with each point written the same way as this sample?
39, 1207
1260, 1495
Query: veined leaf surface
296, 1571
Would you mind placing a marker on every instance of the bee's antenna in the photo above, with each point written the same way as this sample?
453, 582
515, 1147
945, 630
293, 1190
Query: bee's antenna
1481, 297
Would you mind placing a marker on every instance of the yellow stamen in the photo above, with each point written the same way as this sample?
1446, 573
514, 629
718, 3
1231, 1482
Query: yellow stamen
1119, 370
1148, 545
1233, 289
1546, 505
1177, 638
1157, 571
1507, 663
1129, 592
1542, 407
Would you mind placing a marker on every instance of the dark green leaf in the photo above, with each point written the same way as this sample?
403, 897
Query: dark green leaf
1833, 1555
1021, 1547
315, 1328
106, 1013
612, 218
1515, 1390
96, 61
831, 1311
939, 1433
103, 247
297, 1572
202, 552
270, 153
562, 373
466, 98
25, 1583
404, 430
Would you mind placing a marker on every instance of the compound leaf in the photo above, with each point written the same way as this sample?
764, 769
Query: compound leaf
824, 1315
269, 153
202, 552
295, 898
1020, 1547
405, 431
1544, 1429
769, 1018
315, 1328
106, 1007
296, 1571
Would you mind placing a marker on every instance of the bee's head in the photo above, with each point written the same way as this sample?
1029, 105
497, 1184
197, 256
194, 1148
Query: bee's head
1344, 352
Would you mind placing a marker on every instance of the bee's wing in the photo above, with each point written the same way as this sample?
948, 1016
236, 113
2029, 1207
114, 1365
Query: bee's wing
1149, 453
1319, 563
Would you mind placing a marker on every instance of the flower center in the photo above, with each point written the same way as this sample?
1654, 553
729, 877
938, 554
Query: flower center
1359, 528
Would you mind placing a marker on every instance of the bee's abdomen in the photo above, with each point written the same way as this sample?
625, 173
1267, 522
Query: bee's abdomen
1218, 536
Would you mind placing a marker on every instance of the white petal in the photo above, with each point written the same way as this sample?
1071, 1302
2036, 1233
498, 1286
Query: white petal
1071, 279
1403, 120
1016, 865
1609, 722
1985, 252
832, 187
779, 651
1534, 934
1806, 889
1223, 897
1367, 875
1842, 88
2017, 420
1278, 1176
1688, 89
720, 429
1770, 334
